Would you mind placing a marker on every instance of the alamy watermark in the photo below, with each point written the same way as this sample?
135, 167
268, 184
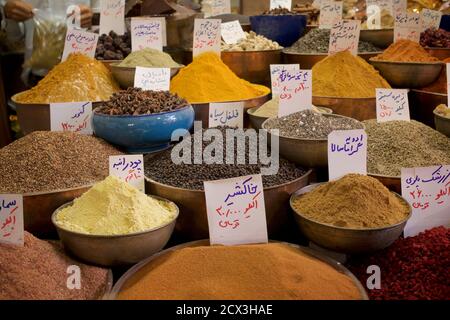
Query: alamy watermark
74, 277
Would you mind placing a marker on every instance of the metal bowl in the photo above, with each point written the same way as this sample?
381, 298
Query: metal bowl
408, 74
108, 63
393, 183
124, 280
347, 240
192, 223
115, 250
422, 104
442, 124
308, 60
440, 53
381, 38
357, 108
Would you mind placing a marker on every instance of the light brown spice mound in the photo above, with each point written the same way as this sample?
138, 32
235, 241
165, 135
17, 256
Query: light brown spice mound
405, 51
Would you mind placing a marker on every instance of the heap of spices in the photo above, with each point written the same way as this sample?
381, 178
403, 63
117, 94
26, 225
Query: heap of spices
405, 51
39, 271
113, 46
48, 160
273, 271
270, 109
308, 9
346, 75
414, 268
443, 110
308, 124
440, 85
354, 201
135, 101
79, 78
149, 58
394, 145
208, 79
252, 42
435, 38
280, 11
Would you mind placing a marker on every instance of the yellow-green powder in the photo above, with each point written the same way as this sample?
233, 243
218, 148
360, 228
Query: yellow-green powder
150, 58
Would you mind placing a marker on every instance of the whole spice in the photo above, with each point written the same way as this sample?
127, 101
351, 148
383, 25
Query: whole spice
135, 101
440, 85
435, 38
48, 160
405, 51
443, 110
149, 58
280, 11
354, 201
113, 46
252, 42
394, 145
272, 271
270, 109
39, 270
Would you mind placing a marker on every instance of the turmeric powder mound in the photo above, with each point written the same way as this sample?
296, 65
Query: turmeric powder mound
354, 201
271, 271
208, 79
79, 78
405, 51
347, 76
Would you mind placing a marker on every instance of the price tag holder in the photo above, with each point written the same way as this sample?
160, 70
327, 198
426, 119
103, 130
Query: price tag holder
112, 16
278, 71
296, 92
347, 153
232, 32
229, 114
156, 79
146, 33
427, 190
407, 26
129, 168
275, 4
80, 41
447, 65
392, 104
399, 6
345, 36
330, 13
220, 7
71, 116
206, 36
430, 19
11, 219
236, 210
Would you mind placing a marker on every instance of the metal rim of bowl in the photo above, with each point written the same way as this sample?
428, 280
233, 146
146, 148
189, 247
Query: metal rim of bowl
324, 54
116, 66
298, 194
251, 51
440, 116
138, 115
429, 92
408, 63
42, 104
109, 286
232, 101
100, 236
377, 175
339, 267
251, 111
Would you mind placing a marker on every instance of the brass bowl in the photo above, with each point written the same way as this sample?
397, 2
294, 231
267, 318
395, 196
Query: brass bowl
393, 183
381, 38
422, 104
108, 63
347, 240
357, 108
442, 124
440, 53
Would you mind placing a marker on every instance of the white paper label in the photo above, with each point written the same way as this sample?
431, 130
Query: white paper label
229, 114
236, 211
11, 219
407, 26
232, 32
220, 7
392, 104
274, 4
347, 153
447, 65
345, 36
146, 33
330, 13
206, 36
112, 16
71, 116
430, 19
278, 71
373, 17
399, 6
129, 168
296, 92
80, 41
156, 79
427, 189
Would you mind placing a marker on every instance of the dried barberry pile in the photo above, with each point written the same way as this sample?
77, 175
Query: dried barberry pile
435, 38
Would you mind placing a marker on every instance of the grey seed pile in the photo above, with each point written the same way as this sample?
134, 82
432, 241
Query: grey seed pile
47, 161
308, 124
404, 144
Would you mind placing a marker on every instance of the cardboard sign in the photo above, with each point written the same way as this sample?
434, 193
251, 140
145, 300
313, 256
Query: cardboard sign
146, 33
347, 153
430, 19
399, 6
296, 92
11, 219
447, 65
330, 13
230, 114
112, 16
427, 190
278, 71
236, 211
220, 7
71, 116
232, 32
206, 36
156, 79
392, 104
274, 4
129, 168
407, 26
80, 41
345, 36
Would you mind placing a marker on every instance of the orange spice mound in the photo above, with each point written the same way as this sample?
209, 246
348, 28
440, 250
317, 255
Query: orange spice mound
405, 51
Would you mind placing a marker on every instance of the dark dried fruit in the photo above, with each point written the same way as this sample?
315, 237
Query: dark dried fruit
113, 46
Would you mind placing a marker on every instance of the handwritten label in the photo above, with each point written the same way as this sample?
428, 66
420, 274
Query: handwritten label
399, 6
220, 7
80, 41
347, 153
330, 13
206, 36
112, 16
146, 33
392, 104
407, 26
296, 91
156, 79
427, 189
129, 168
71, 116
232, 32
229, 114
11, 219
447, 65
236, 210
278, 71
274, 4
345, 36
430, 19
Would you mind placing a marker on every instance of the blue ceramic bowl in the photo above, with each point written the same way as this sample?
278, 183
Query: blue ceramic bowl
445, 22
142, 133
284, 29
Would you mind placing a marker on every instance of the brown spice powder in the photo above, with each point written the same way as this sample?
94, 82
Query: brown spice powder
405, 51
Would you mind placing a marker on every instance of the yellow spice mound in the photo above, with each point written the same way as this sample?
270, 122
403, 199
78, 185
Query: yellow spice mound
79, 78
405, 51
208, 79
346, 75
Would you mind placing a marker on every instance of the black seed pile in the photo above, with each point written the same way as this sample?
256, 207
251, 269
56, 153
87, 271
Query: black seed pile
113, 46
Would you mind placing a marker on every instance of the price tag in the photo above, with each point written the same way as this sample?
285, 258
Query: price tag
407, 26
447, 65
236, 210
430, 19
156, 79
279, 70
427, 190
112, 16
146, 33
274, 4
80, 41
330, 13
232, 32
220, 7
399, 6
347, 153
206, 36
373, 17
392, 104
229, 114
296, 92
129, 168
71, 116
11, 219
345, 36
